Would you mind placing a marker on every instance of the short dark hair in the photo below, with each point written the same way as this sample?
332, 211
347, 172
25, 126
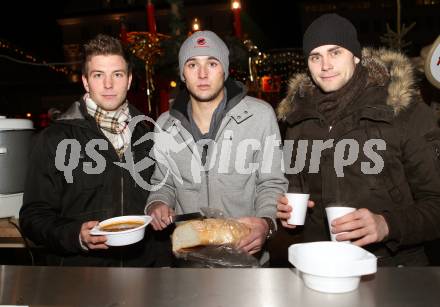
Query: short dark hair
104, 44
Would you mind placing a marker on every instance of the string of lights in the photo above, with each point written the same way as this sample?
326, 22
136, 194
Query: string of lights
60, 67
38, 64
283, 63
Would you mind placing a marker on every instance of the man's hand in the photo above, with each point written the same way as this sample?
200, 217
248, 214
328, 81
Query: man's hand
254, 242
92, 242
162, 215
284, 210
362, 227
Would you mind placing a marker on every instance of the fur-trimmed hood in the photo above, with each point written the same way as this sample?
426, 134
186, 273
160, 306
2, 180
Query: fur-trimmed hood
385, 67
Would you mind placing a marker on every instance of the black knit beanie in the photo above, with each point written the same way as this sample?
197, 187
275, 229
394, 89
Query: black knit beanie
331, 29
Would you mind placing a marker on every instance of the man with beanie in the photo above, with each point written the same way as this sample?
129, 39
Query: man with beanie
59, 212
228, 135
356, 98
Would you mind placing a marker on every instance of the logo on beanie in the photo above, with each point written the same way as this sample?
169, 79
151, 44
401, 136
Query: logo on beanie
201, 42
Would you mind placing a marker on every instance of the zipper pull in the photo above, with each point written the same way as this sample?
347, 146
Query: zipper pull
330, 128
204, 154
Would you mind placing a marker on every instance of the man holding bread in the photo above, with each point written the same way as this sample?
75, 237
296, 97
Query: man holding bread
232, 161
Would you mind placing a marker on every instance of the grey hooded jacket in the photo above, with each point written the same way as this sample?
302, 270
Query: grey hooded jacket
242, 175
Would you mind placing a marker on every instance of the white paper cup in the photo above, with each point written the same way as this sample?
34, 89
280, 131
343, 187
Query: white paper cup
298, 202
334, 213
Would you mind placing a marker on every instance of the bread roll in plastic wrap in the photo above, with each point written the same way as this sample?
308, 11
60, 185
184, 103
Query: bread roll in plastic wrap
208, 232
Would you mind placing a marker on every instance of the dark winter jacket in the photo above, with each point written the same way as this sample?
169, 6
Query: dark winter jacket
54, 209
407, 190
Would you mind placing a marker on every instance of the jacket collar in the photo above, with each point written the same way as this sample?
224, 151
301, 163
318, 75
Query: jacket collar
235, 90
240, 112
375, 112
77, 115
380, 113
303, 111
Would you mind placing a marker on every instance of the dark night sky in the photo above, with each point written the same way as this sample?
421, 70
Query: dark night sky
278, 21
32, 25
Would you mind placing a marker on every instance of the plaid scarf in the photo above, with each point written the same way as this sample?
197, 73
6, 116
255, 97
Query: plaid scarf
114, 124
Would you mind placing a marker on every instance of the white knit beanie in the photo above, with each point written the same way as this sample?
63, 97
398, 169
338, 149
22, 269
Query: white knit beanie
204, 43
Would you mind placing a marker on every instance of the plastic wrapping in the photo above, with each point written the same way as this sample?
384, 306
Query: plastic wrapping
216, 256
211, 242
213, 213
208, 232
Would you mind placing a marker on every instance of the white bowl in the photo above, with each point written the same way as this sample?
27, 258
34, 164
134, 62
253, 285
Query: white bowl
125, 237
332, 267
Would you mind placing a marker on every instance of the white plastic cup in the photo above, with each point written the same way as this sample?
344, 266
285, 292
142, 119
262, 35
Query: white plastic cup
298, 203
334, 213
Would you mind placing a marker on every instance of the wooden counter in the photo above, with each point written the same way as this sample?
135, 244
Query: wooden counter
9, 235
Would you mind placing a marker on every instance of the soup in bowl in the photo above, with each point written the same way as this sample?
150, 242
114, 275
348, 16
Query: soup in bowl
121, 226
122, 230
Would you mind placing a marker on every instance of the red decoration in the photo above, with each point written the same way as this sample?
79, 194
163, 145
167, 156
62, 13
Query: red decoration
271, 84
164, 103
123, 32
150, 18
237, 19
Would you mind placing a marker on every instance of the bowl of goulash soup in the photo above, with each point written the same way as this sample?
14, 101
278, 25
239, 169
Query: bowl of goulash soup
122, 230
